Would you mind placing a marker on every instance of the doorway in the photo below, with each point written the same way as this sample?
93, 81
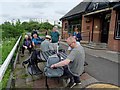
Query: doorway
105, 28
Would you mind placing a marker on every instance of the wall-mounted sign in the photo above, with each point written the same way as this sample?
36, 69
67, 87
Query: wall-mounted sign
95, 6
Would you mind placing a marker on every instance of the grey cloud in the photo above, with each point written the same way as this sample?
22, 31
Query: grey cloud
25, 17
61, 12
5, 15
30, 17
39, 5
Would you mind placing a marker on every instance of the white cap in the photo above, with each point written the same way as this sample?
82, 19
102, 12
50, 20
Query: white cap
48, 36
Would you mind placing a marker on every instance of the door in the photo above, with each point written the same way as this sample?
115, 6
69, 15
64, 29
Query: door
105, 30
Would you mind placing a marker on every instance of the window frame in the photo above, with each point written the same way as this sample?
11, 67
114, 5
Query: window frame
117, 29
66, 26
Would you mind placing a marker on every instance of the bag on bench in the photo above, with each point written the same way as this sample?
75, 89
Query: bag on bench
33, 69
49, 72
32, 62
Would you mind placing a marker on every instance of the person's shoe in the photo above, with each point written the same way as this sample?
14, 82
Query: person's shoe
71, 85
78, 83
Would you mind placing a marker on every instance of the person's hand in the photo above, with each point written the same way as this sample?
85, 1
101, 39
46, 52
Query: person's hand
30, 46
25, 47
53, 66
59, 39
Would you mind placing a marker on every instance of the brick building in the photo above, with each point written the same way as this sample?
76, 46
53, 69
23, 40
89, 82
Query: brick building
98, 22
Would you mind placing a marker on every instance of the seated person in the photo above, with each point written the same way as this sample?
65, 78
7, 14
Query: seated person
34, 32
46, 45
74, 61
27, 44
36, 40
69, 48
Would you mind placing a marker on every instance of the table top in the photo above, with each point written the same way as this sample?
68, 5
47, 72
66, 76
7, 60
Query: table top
47, 54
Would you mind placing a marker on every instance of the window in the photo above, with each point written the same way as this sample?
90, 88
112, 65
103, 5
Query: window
117, 36
65, 26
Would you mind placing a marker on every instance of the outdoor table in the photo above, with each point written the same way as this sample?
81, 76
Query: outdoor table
45, 55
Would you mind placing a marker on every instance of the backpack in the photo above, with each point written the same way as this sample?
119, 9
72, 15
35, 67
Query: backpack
49, 72
32, 62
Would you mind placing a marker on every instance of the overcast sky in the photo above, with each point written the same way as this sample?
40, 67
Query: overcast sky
51, 10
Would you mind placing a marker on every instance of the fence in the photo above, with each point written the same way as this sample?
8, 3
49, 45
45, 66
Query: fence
4, 66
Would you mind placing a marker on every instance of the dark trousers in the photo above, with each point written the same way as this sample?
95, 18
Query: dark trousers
29, 49
73, 78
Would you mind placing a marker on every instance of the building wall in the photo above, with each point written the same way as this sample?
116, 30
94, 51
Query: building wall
87, 25
112, 43
64, 31
96, 30
86, 28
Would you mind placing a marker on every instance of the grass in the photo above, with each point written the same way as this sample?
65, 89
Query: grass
41, 34
5, 48
5, 79
0, 55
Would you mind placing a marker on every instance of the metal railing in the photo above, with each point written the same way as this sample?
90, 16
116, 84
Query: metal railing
4, 66
86, 36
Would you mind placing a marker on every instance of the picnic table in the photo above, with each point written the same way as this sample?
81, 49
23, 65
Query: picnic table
45, 55
52, 53
33, 68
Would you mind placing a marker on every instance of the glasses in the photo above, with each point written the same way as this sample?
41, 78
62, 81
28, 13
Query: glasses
71, 43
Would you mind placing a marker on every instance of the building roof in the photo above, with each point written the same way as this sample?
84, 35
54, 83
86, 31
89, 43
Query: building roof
81, 7
86, 6
116, 6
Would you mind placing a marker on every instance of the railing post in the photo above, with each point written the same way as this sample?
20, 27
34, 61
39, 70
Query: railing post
89, 36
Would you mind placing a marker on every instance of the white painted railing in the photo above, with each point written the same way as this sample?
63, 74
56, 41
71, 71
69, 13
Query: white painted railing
4, 66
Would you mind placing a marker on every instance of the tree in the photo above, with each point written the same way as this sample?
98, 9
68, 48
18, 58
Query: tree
15, 29
46, 25
29, 26
11, 30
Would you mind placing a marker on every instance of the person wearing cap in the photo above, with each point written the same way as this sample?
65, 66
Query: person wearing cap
46, 44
